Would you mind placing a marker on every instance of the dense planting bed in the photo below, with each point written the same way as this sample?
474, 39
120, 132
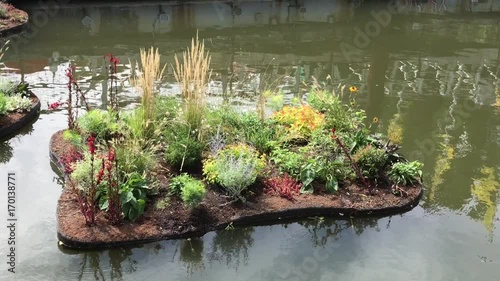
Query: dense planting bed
175, 167
176, 221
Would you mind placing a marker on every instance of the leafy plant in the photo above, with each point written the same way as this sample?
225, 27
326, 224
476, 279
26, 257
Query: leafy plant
85, 180
235, 168
288, 161
341, 116
73, 137
184, 149
371, 161
18, 103
192, 192
98, 123
406, 173
3, 104
301, 120
284, 186
133, 196
176, 183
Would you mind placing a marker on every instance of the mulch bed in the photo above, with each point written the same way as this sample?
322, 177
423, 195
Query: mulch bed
14, 22
12, 122
177, 221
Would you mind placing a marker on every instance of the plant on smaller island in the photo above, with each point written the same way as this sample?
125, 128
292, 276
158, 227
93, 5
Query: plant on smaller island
406, 173
283, 185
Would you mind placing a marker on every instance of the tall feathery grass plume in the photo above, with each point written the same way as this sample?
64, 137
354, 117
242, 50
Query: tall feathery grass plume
150, 74
193, 72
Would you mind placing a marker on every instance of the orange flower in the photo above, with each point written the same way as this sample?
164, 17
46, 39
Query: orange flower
375, 120
353, 89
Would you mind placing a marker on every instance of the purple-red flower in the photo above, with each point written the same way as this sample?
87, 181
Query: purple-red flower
333, 134
91, 144
55, 105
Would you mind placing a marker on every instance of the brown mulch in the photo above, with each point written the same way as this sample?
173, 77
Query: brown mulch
11, 118
177, 221
15, 17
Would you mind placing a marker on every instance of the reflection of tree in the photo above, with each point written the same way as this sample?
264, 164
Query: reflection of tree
5, 152
322, 229
117, 258
485, 190
191, 254
232, 244
120, 261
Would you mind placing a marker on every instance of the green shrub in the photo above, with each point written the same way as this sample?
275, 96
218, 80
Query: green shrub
176, 183
98, 123
73, 137
407, 173
11, 88
3, 104
134, 158
188, 188
193, 192
133, 196
338, 115
82, 171
371, 161
183, 150
288, 161
235, 168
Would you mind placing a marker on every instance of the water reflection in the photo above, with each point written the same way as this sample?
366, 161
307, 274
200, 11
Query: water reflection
432, 80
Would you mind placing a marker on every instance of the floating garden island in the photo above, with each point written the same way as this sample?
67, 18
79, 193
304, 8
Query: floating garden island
12, 20
18, 107
177, 168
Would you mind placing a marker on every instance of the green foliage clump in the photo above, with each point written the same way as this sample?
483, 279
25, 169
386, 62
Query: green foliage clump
184, 149
235, 168
98, 123
188, 188
338, 115
249, 128
133, 196
83, 172
73, 137
136, 157
18, 103
406, 173
371, 161
288, 161
11, 88
3, 104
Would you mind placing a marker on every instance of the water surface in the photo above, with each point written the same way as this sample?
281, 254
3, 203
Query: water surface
430, 74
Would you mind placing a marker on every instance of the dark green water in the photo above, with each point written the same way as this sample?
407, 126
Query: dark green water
430, 73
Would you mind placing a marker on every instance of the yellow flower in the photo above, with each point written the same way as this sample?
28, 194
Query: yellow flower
375, 120
353, 89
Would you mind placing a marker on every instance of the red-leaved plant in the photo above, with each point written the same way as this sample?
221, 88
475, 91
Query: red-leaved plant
113, 85
109, 167
284, 186
87, 198
68, 158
